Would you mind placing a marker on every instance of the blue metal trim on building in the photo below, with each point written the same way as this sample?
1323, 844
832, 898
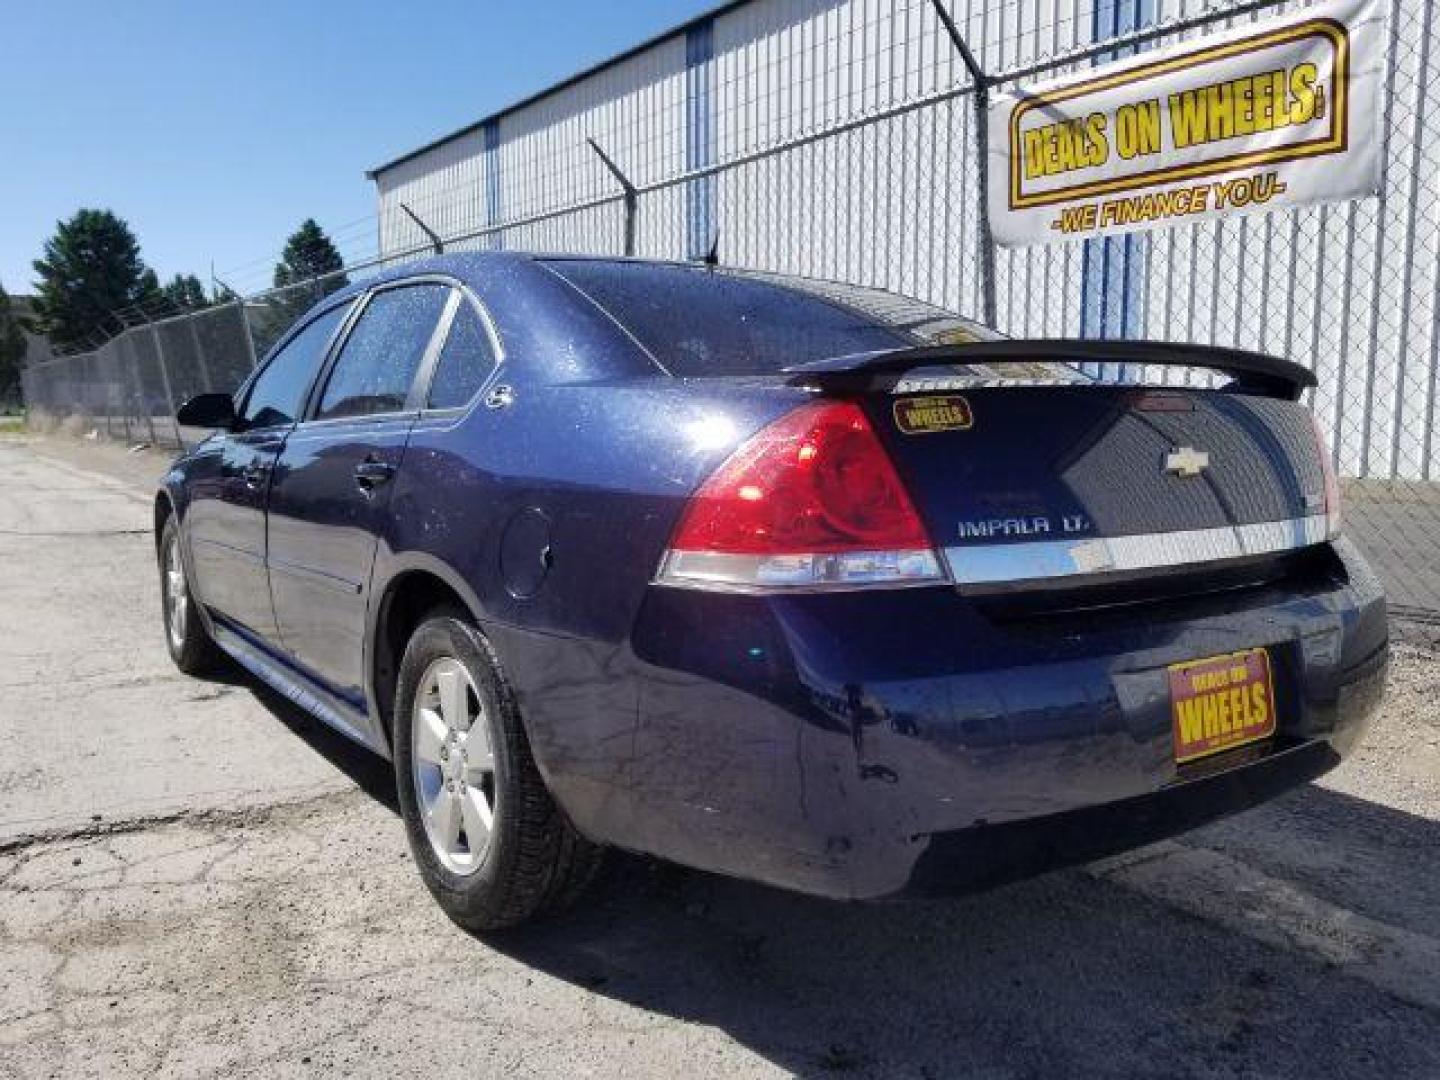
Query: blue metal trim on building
564, 84
490, 147
699, 136
1112, 295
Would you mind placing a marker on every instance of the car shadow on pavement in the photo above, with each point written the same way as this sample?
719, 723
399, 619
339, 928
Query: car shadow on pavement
1092, 972
369, 772
1293, 940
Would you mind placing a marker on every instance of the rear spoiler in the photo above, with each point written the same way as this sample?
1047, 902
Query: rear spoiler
1252, 372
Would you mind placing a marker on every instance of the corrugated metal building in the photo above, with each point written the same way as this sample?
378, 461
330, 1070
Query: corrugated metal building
837, 138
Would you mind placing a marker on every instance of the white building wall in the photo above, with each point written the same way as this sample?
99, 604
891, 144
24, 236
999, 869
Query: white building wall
445, 187
831, 176
634, 111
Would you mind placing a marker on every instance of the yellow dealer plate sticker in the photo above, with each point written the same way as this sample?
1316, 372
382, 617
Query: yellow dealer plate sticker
924, 415
1221, 702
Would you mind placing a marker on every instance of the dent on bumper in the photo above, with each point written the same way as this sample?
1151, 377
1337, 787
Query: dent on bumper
985, 856
926, 750
986, 853
982, 857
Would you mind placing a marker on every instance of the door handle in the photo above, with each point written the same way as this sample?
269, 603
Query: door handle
371, 474
254, 474
502, 397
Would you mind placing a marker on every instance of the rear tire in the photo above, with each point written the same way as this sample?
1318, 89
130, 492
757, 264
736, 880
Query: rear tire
190, 644
463, 766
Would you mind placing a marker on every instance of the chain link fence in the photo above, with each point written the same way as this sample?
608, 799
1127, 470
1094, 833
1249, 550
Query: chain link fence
131, 386
851, 151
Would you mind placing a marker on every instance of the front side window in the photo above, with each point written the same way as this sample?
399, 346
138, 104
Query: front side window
377, 364
278, 392
465, 362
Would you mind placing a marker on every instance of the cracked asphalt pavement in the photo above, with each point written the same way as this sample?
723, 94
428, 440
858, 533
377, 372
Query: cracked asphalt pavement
197, 880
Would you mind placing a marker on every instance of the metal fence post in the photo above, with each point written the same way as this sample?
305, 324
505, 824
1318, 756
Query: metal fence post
245, 333
138, 385
97, 367
983, 238
122, 384
205, 383
632, 196
165, 382
109, 353
430, 234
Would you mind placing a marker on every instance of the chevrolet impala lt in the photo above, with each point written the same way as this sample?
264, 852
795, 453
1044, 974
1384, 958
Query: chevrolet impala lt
796, 581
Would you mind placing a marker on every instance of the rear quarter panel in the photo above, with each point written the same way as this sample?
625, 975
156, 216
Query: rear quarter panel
552, 515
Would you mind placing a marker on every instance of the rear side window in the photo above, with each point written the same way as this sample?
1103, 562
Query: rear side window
465, 362
697, 321
377, 364
278, 391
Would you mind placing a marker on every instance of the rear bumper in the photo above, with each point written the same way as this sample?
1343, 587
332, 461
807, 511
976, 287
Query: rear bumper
981, 857
863, 745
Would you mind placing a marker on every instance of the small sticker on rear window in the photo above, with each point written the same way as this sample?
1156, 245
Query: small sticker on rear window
919, 416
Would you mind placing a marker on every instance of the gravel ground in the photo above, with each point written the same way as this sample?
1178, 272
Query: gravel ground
196, 880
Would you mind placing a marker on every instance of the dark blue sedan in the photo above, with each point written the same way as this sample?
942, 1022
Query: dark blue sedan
786, 579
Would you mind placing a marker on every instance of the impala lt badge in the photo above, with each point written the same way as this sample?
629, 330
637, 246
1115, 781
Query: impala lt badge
1186, 461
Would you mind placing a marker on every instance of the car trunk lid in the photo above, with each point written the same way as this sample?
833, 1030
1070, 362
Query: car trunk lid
1029, 471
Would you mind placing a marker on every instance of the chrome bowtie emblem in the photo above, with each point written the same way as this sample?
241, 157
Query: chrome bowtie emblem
1186, 461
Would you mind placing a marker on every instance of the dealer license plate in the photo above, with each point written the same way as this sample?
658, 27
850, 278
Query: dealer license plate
1221, 702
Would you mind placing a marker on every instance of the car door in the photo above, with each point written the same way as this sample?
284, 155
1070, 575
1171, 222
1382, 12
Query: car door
230, 480
331, 487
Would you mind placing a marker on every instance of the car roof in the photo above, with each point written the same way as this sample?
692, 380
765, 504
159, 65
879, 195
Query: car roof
541, 314
480, 268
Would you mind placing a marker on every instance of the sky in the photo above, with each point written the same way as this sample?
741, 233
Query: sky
215, 129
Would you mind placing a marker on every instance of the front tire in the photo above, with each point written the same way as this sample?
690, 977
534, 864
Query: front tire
491, 845
190, 644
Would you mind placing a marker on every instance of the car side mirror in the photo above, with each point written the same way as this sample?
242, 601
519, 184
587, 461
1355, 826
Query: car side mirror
207, 411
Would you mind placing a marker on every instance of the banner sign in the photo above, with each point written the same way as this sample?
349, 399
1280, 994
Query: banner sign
1275, 114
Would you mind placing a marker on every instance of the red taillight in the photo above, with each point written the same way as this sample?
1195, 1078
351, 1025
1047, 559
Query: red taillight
1332, 482
816, 480
810, 500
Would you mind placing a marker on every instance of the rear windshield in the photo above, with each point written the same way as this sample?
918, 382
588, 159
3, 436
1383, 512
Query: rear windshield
698, 321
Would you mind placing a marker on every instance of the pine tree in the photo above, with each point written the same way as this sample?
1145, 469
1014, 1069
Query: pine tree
151, 297
184, 293
12, 349
309, 254
90, 272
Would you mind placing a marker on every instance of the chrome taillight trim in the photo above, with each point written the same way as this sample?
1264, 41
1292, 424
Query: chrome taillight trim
800, 573
1045, 560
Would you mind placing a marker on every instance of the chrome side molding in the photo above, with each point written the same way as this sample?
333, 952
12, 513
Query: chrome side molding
1003, 564
317, 703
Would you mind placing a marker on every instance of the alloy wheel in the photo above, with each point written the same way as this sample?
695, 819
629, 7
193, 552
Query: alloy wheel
177, 596
453, 764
